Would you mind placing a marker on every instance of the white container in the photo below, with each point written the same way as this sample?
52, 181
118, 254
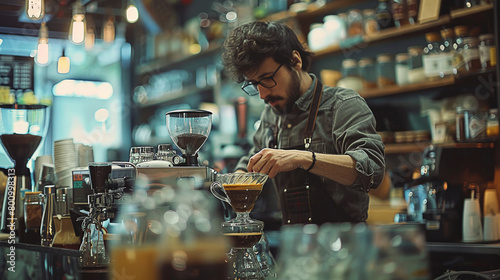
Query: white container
316, 37
472, 230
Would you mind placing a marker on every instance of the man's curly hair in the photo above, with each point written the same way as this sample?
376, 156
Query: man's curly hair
249, 44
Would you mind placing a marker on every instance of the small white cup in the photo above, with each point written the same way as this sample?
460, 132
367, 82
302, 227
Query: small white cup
490, 232
472, 230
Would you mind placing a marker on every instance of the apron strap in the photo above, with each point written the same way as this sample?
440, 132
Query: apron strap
313, 112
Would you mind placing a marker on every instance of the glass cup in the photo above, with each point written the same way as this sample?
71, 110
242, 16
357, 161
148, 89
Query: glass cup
241, 191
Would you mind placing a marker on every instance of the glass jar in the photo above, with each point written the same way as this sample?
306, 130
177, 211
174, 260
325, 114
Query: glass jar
370, 22
350, 75
431, 55
461, 32
33, 210
415, 66
471, 54
487, 51
146, 153
367, 72
412, 9
354, 23
447, 53
135, 153
316, 37
399, 12
385, 70
492, 126
335, 30
402, 69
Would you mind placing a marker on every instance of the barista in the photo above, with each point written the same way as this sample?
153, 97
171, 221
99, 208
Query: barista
318, 143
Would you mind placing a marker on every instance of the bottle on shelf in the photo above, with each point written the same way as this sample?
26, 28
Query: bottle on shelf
447, 53
492, 126
431, 56
350, 75
415, 67
385, 70
402, 69
461, 32
471, 54
384, 15
399, 12
412, 10
355, 23
370, 22
487, 51
367, 72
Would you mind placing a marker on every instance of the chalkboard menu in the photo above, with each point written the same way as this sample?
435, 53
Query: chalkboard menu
16, 77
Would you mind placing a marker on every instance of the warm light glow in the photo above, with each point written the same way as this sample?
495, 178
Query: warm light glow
77, 31
42, 54
132, 14
194, 48
101, 115
80, 88
63, 64
89, 39
35, 9
108, 32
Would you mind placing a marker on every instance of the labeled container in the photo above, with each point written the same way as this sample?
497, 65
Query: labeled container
386, 75
350, 75
367, 72
416, 72
487, 51
447, 53
492, 126
354, 23
370, 22
461, 32
402, 70
335, 29
471, 54
431, 56
475, 125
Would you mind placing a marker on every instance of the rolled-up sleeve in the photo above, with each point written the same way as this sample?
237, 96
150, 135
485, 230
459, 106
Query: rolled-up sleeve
355, 134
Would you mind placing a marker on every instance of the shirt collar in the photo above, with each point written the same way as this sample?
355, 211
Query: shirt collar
305, 100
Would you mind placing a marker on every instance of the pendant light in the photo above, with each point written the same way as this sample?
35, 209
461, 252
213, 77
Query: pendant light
35, 9
77, 28
63, 64
42, 54
132, 13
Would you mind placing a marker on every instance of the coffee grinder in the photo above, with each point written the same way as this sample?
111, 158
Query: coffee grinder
22, 128
436, 198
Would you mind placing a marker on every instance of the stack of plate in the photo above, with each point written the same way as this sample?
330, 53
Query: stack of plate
65, 161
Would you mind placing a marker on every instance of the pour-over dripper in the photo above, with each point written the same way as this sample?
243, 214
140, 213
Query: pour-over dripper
22, 128
241, 191
189, 129
99, 174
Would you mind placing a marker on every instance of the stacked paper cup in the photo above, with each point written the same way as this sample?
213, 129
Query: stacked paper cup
65, 161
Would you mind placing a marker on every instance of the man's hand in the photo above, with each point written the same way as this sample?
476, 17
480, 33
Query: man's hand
273, 161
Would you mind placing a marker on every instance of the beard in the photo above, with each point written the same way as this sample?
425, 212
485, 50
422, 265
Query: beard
293, 94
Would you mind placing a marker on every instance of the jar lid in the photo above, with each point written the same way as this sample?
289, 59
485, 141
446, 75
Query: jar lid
447, 33
349, 63
484, 37
401, 57
365, 61
415, 50
384, 57
461, 30
432, 37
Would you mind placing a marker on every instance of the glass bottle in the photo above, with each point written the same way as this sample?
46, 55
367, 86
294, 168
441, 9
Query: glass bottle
412, 8
487, 51
316, 37
335, 29
471, 54
447, 53
33, 211
370, 22
47, 227
384, 15
492, 126
415, 67
367, 72
431, 55
354, 23
461, 32
385, 70
399, 12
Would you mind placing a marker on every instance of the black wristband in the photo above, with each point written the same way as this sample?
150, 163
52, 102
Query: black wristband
314, 162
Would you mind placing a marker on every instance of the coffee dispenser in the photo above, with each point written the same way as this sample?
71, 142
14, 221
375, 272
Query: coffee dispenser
436, 198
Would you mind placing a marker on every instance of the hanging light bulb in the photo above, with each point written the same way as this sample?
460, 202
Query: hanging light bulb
77, 29
90, 38
35, 9
42, 54
63, 64
108, 31
132, 13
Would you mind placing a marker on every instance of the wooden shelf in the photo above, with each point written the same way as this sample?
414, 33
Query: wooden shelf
313, 10
392, 90
470, 11
169, 63
406, 148
170, 96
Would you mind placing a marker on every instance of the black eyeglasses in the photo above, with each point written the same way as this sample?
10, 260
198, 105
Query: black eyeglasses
251, 89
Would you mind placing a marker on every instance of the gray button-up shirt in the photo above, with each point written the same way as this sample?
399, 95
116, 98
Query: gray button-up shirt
344, 125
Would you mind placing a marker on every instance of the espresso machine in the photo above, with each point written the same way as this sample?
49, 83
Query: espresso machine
105, 191
189, 130
436, 198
